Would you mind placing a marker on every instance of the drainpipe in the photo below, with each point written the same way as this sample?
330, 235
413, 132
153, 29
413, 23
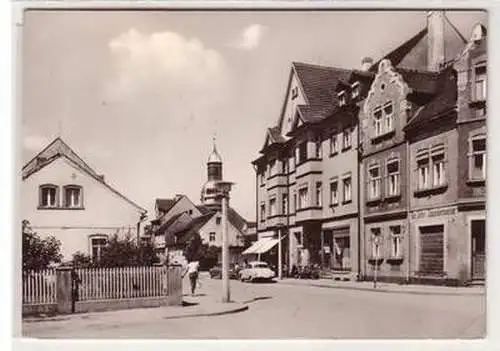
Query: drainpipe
360, 188
408, 201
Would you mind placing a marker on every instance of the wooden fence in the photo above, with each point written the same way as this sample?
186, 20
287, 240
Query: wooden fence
39, 287
122, 282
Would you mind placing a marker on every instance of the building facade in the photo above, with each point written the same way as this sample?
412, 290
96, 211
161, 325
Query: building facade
383, 168
62, 196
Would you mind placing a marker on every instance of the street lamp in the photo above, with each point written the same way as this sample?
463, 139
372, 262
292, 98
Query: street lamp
223, 189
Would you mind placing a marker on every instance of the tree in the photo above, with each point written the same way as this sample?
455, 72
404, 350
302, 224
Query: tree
193, 250
122, 252
39, 253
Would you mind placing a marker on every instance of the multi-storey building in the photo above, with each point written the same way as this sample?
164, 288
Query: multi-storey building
348, 197
447, 141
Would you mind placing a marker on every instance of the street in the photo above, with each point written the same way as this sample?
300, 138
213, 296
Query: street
283, 311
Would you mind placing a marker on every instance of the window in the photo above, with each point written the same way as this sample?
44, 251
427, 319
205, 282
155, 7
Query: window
97, 245
346, 138
480, 83
423, 174
272, 167
396, 241
318, 149
284, 209
477, 158
342, 98
211, 236
72, 196
218, 220
190, 212
376, 238
389, 117
284, 166
355, 90
272, 207
333, 144
262, 212
303, 198
334, 192
438, 172
295, 93
377, 122
347, 189
319, 195
48, 196
262, 176
393, 177
374, 181
295, 202
301, 152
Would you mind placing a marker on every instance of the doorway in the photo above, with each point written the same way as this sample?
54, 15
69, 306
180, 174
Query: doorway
478, 249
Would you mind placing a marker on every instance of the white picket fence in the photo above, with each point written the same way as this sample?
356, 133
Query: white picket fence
121, 282
39, 287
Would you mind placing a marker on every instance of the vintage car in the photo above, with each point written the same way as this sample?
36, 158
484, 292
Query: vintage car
256, 270
216, 271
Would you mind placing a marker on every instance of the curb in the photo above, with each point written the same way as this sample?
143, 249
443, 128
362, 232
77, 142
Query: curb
239, 308
390, 291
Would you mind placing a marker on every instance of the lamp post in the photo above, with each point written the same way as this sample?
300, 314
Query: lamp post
223, 192
377, 243
280, 256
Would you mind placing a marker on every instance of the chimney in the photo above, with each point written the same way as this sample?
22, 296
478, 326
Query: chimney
435, 40
366, 63
101, 177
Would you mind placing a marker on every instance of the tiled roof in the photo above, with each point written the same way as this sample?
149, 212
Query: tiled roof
445, 100
319, 82
235, 219
168, 224
165, 205
58, 148
204, 209
421, 81
193, 225
398, 54
275, 135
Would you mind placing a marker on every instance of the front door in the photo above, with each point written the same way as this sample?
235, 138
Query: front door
478, 234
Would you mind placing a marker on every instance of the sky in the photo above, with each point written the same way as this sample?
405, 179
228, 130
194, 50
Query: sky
139, 95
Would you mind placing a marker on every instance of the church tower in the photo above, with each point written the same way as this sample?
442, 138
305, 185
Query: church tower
214, 175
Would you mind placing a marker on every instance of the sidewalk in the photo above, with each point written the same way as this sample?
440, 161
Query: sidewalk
387, 287
194, 306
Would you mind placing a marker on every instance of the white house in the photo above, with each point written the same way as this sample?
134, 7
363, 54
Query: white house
62, 196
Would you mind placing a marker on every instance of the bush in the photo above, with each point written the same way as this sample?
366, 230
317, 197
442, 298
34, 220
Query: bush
39, 253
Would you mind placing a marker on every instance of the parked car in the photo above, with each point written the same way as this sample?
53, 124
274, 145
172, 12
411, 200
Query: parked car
216, 271
256, 270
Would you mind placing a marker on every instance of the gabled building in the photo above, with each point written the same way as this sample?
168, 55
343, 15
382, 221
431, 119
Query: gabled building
62, 196
340, 176
178, 219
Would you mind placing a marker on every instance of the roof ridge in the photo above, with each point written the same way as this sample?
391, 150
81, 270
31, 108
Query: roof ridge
313, 65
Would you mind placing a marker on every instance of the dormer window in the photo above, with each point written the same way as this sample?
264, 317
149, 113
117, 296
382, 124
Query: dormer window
342, 98
355, 90
480, 81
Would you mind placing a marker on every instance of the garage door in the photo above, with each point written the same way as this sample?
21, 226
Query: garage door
432, 249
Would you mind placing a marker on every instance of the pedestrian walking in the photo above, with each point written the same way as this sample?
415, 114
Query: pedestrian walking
192, 272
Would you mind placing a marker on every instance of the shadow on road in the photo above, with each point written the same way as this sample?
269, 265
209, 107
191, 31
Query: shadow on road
258, 299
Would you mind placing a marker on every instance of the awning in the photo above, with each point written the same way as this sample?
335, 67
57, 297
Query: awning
261, 246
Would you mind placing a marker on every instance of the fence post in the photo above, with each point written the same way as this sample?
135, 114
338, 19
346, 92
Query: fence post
63, 289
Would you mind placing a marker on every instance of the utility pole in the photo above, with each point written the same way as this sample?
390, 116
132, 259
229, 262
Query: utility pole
224, 188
